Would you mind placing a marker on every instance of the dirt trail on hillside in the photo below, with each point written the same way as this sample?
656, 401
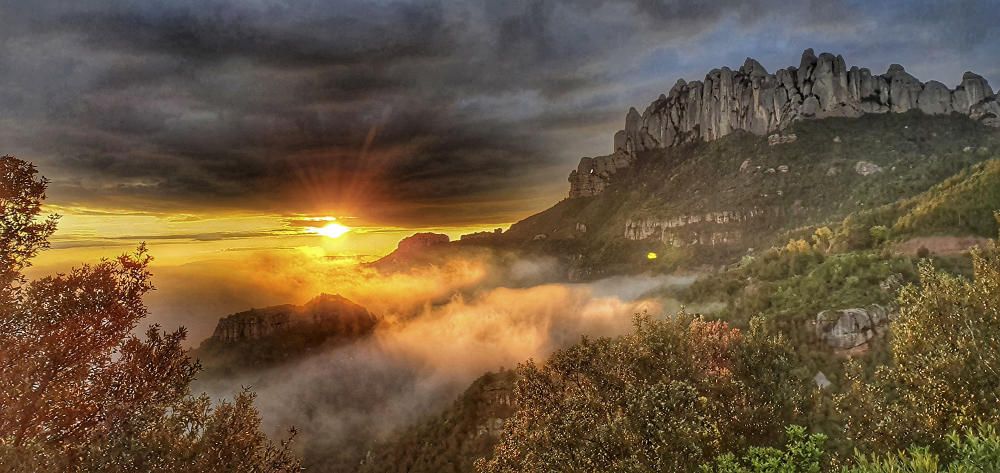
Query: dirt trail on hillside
941, 245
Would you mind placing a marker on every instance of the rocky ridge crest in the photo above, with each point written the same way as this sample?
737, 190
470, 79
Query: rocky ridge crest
753, 100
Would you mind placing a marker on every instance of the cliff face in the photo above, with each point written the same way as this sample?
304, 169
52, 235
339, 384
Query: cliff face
756, 101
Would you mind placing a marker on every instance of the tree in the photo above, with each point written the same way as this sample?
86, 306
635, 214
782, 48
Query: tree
22, 233
944, 370
823, 239
669, 397
879, 234
75, 382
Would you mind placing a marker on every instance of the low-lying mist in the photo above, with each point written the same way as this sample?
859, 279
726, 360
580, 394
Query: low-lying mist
442, 326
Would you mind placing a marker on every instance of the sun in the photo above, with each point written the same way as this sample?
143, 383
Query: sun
332, 230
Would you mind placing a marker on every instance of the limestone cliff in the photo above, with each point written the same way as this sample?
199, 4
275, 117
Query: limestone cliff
753, 100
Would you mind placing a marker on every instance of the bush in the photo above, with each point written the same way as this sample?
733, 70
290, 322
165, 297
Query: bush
802, 453
976, 451
676, 393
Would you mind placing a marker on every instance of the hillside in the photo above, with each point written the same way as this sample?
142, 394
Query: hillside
710, 203
804, 215
451, 441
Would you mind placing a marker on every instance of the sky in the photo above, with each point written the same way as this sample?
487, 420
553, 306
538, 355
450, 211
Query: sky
208, 127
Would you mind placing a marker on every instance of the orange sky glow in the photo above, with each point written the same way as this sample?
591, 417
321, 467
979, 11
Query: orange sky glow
86, 235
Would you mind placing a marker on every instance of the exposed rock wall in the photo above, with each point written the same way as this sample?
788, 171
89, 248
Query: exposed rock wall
662, 229
754, 100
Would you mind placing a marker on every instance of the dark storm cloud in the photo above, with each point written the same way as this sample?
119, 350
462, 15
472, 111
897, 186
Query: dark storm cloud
404, 112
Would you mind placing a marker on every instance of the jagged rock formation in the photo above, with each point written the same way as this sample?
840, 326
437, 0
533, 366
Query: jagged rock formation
756, 101
849, 328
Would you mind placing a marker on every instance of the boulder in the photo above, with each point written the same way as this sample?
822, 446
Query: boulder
779, 139
934, 99
849, 328
866, 168
971, 91
904, 89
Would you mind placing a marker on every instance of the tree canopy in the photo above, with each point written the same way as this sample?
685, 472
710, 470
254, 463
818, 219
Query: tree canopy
79, 391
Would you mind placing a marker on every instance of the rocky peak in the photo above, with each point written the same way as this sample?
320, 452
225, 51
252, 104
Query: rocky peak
332, 313
753, 100
413, 248
420, 241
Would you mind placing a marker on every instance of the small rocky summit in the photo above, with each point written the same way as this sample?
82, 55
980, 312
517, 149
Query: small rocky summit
850, 328
412, 248
753, 100
421, 241
327, 314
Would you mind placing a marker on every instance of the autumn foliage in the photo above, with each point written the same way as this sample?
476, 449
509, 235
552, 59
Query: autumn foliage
78, 390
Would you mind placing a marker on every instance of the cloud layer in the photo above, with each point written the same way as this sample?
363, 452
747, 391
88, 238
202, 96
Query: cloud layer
408, 112
442, 327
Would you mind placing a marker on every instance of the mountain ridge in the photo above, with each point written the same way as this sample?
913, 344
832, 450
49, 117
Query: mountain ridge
753, 100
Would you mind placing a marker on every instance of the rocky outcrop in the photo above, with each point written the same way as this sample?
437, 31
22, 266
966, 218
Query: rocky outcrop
593, 174
411, 249
850, 328
753, 100
331, 315
866, 168
421, 241
662, 229
483, 236
780, 139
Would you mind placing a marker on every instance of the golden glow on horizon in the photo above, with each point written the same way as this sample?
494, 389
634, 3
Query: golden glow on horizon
85, 235
331, 230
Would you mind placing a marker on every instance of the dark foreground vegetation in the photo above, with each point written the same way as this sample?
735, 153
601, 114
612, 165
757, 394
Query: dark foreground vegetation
78, 391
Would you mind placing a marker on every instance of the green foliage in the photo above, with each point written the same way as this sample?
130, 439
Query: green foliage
803, 453
879, 234
669, 397
963, 204
790, 285
976, 451
944, 370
